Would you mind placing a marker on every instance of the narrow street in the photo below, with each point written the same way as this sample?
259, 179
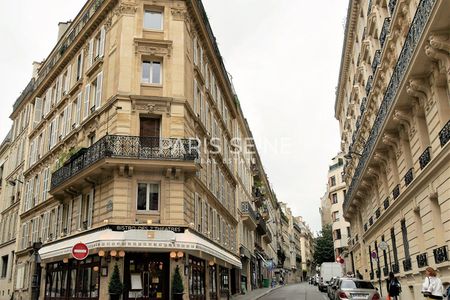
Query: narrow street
302, 291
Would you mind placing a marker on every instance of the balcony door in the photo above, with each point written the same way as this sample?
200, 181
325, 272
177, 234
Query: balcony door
150, 130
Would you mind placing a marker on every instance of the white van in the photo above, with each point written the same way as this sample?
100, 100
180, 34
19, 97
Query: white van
327, 271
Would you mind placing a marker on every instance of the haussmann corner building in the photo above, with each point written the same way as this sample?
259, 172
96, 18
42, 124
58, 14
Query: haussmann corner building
112, 146
393, 107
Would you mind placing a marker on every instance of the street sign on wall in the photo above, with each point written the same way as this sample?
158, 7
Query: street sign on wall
80, 251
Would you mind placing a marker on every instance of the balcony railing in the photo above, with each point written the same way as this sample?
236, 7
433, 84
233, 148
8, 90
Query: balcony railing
425, 158
444, 134
369, 84
409, 176
376, 60
396, 192
384, 31
370, 221
407, 265
391, 6
422, 260
246, 208
132, 147
395, 268
440, 254
424, 9
378, 213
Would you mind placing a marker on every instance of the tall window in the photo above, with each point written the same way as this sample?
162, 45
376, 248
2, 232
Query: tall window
4, 266
405, 238
332, 181
151, 72
394, 245
79, 65
148, 197
334, 198
153, 20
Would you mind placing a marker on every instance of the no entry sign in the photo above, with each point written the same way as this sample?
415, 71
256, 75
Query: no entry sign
80, 251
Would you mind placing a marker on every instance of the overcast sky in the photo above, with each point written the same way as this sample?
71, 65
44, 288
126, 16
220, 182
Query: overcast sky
284, 56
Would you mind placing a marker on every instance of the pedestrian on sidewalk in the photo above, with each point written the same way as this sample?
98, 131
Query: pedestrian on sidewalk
432, 286
394, 287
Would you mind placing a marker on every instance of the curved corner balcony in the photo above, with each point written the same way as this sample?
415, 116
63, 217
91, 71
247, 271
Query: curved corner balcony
127, 154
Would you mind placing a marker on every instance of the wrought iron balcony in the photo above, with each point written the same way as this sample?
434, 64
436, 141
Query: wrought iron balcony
391, 6
370, 221
396, 191
386, 203
425, 158
395, 268
407, 265
385, 31
130, 147
423, 12
248, 214
422, 260
440, 254
369, 7
378, 213
409, 176
369, 84
444, 134
376, 60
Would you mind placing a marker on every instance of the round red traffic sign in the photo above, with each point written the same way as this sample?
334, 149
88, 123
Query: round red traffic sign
80, 251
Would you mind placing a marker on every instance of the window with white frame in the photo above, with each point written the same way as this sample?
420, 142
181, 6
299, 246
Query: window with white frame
148, 197
151, 72
153, 20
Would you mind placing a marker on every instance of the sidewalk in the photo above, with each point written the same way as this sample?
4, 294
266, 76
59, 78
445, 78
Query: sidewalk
256, 294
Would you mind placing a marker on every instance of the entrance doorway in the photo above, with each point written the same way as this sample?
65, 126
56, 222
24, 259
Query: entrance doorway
147, 276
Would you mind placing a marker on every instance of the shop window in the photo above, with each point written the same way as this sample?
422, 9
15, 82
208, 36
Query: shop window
148, 197
196, 279
224, 281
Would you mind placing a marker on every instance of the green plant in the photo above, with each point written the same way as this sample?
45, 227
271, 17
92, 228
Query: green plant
65, 156
177, 282
115, 285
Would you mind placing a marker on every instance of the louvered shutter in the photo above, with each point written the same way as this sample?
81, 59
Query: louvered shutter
86, 101
69, 78
78, 112
90, 208
37, 111
102, 41
98, 90
91, 53
69, 218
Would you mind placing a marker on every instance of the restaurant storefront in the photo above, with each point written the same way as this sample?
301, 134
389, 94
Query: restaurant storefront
146, 258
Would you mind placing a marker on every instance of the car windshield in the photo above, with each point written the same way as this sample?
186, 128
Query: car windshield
350, 284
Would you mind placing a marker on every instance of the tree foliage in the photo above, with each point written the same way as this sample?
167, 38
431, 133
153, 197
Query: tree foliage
324, 247
115, 285
177, 282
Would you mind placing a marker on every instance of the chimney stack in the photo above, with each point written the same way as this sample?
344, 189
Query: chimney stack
62, 28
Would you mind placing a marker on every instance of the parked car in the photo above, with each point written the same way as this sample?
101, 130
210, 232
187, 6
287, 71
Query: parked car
330, 287
329, 270
352, 288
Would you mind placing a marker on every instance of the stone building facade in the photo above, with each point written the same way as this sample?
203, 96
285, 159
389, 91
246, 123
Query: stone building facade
393, 110
130, 139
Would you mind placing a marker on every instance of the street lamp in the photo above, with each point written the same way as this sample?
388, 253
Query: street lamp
349, 155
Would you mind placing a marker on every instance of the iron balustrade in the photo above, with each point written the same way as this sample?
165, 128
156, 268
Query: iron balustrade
391, 6
409, 176
246, 208
422, 260
132, 147
395, 268
369, 7
376, 60
378, 213
425, 158
415, 32
369, 84
396, 192
370, 221
440, 254
444, 134
385, 31
407, 264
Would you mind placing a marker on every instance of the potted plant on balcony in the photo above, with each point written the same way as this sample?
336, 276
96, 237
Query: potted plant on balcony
115, 287
177, 285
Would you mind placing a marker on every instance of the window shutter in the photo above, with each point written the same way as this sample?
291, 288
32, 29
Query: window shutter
37, 190
68, 119
90, 208
98, 90
45, 225
195, 97
102, 41
31, 152
196, 216
195, 51
30, 194
59, 83
37, 111
86, 101
69, 218
63, 122
60, 220
79, 201
25, 198
69, 78
203, 216
56, 131
78, 112
90, 53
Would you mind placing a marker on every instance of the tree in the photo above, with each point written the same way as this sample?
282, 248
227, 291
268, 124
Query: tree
177, 284
115, 287
324, 246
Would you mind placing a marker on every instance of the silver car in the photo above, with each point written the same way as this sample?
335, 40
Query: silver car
355, 289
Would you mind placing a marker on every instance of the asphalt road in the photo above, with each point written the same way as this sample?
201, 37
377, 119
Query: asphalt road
302, 291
